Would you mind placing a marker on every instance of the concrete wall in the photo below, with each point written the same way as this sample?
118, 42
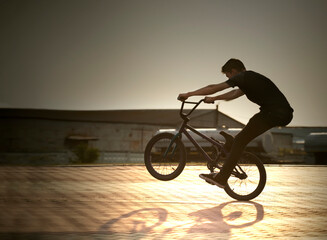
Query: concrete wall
38, 140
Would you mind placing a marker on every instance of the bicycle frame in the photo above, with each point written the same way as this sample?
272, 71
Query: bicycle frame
183, 130
185, 126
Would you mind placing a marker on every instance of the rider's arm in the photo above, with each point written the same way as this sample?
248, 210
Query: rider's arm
230, 95
208, 90
226, 96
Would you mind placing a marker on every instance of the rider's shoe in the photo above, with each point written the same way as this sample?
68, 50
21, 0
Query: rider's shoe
214, 178
203, 176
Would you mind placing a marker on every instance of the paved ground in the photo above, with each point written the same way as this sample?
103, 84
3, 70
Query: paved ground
125, 202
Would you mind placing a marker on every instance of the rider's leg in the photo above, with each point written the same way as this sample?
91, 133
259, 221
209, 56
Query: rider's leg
256, 126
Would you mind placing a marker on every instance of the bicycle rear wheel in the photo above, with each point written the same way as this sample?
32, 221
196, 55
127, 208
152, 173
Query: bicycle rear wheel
251, 180
165, 156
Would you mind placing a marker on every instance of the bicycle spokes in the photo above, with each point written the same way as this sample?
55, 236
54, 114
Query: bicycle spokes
248, 178
165, 155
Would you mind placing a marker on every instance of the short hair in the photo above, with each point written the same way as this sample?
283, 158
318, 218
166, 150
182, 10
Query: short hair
233, 64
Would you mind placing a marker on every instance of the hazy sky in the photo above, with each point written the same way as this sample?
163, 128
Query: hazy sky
136, 54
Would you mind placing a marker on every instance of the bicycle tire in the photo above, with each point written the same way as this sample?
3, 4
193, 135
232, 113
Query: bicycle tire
256, 177
161, 167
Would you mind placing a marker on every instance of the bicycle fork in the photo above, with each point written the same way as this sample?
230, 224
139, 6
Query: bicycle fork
170, 145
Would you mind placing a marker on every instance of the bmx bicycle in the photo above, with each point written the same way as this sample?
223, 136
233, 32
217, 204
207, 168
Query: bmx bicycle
165, 159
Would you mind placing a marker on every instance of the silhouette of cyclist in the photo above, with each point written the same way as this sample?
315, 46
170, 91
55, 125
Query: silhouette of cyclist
275, 110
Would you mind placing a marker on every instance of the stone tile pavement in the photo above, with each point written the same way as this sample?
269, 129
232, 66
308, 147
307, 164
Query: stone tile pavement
125, 202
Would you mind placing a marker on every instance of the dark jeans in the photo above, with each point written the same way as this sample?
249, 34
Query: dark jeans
258, 124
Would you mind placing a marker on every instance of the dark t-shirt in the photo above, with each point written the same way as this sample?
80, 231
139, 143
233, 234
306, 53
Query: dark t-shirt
260, 90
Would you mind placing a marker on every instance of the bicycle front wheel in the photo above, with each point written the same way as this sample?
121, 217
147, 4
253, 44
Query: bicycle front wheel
248, 178
165, 156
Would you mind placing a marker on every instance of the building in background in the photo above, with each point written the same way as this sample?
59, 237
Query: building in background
31, 136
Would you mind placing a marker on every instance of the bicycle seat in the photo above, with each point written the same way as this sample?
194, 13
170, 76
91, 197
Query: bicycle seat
229, 139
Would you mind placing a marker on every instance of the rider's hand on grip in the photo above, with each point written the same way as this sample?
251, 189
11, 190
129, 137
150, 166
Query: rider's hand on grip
209, 100
182, 97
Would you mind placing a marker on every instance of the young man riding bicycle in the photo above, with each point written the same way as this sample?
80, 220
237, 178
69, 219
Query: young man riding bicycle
275, 110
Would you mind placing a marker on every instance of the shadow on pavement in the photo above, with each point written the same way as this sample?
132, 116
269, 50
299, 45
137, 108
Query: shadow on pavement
220, 219
143, 220
138, 224
227, 216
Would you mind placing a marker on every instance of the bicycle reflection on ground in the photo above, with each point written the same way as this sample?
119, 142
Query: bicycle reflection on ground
143, 220
219, 219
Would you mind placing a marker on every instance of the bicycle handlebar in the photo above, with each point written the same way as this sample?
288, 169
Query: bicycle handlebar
184, 115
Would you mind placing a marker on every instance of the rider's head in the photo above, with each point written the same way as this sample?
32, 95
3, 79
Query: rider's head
232, 67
